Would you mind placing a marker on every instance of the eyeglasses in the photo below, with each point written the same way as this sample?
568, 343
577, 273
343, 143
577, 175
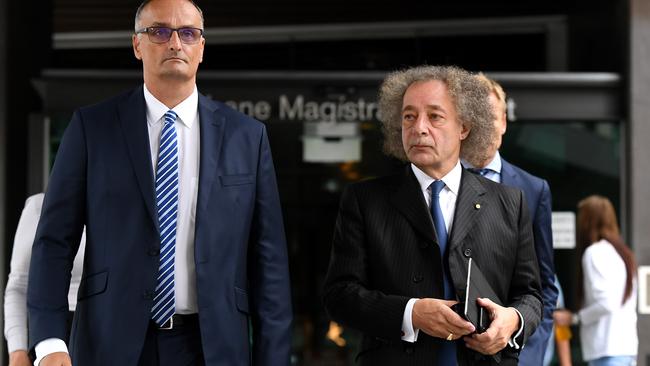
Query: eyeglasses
164, 34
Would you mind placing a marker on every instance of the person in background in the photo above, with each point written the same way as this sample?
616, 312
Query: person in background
560, 343
15, 306
607, 317
485, 159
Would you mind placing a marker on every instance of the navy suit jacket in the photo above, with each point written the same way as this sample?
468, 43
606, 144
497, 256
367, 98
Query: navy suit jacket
538, 197
103, 178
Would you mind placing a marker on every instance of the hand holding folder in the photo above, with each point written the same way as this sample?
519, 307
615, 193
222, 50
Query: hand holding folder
477, 287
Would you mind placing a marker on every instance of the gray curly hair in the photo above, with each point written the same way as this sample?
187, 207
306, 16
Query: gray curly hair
468, 94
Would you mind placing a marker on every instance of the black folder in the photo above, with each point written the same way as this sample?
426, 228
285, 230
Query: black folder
477, 286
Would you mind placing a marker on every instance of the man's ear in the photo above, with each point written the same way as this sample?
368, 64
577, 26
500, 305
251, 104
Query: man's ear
202, 49
136, 46
464, 131
504, 124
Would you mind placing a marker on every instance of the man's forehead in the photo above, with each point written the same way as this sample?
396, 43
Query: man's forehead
167, 7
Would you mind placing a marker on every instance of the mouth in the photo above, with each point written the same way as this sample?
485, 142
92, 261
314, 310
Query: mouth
417, 146
174, 59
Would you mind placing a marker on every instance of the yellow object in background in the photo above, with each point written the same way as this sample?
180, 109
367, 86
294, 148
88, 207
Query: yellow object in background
562, 333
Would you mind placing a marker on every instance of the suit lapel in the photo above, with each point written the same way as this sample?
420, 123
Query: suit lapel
409, 201
467, 207
212, 130
133, 120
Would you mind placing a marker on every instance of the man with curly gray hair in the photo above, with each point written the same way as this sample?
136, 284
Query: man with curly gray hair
403, 243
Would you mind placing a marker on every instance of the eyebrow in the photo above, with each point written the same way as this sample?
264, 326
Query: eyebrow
429, 106
162, 24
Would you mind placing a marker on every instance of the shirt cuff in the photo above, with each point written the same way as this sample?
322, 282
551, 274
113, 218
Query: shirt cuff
513, 340
48, 346
408, 333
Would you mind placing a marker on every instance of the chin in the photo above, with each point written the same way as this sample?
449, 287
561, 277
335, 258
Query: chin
176, 75
420, 160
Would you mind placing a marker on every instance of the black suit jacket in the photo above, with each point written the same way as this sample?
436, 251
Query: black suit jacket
103, 178
385, 252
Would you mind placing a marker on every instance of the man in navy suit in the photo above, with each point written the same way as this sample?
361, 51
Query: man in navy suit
489, 163
186, 260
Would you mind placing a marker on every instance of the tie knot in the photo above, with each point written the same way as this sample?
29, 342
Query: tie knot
170, 117
482, 172
437, 186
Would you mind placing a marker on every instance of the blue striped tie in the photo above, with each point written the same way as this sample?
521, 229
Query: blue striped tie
167, 201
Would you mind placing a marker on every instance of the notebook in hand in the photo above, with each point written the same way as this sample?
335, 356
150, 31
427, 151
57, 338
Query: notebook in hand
477, 287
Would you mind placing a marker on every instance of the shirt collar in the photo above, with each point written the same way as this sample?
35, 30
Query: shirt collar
452, 179
494, 165
186, 110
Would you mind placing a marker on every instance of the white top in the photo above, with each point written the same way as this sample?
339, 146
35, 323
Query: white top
187, 131
607, 327
16, 290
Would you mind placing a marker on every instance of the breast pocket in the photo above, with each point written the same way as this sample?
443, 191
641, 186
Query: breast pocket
236, 180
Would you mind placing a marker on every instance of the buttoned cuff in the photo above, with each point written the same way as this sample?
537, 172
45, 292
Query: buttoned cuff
408, 333
48, 346
513, 340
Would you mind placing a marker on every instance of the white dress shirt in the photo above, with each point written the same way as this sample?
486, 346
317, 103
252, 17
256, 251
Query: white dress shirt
607, 326
16, 290
494, 166
188, 138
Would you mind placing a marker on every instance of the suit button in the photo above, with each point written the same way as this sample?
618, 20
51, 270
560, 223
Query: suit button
148, 295
467, 253
154, 251
408, 350
418, 278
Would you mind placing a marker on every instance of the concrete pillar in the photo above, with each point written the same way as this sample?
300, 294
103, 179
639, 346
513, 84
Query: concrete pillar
638, 186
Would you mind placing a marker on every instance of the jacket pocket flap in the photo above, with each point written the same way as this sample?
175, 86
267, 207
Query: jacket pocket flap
236, 179
93, 284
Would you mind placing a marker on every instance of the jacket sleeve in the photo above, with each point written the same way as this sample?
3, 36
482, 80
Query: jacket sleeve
57, 238
348, 295
272, 314
543, 237
525, 289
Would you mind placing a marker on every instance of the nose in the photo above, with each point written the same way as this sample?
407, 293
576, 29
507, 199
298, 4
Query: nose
175, 41
421, 125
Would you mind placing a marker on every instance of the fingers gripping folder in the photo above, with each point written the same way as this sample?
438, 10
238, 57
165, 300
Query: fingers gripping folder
477, 287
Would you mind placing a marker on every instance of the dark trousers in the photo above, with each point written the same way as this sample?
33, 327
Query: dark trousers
180, 346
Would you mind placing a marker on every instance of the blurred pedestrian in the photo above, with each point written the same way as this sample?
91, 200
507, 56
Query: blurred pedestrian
607, 317
16, 291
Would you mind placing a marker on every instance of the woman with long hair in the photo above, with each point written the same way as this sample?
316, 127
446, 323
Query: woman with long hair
607, 294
